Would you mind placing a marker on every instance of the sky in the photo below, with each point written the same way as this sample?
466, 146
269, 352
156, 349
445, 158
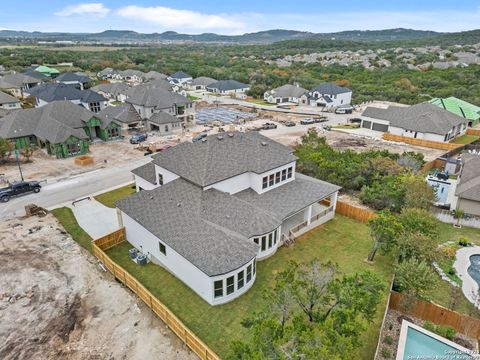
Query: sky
238, 16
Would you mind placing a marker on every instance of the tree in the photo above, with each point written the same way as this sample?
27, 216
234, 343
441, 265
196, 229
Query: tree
415, 245
414, 278
385, 230
27, 152
458, 214
419, 221
6, 148
385, 194
418, 194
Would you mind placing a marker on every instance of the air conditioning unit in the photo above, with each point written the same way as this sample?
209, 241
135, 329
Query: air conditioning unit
133, 253
142, 260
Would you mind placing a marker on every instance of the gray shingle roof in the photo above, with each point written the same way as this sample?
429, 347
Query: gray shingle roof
70, 76
156, 97
7, 98
151, 84
17, 81
180, 75
469, 184
227, 85
288, 199
61, 91
176, 213
213, 160
423, 117
124, 114
203, 81
287, 91
162, 118
155, 75
54, 122
330, 89
112, 88
146, 172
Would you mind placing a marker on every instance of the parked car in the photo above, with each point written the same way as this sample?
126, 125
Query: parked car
138, 138
344, 110
355, 120
307, 121
18, 188
199, 137
320, 119
268, 126
290, 123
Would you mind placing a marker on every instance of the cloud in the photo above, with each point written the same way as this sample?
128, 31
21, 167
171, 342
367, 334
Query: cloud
175, 18
92, 9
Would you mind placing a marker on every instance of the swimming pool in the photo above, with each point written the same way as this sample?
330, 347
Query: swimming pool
418, 343
474, 268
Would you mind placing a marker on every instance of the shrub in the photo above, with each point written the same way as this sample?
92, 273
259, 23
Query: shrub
429, 326
388, 340
386, 353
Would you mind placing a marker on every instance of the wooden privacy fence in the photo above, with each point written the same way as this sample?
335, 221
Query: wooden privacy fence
437, 163
351, 211
473, 132
438, 315
168, 317
419, 142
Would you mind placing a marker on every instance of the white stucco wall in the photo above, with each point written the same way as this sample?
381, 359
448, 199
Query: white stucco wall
148, 244
422, 136
257, 181
142, 183
167, 175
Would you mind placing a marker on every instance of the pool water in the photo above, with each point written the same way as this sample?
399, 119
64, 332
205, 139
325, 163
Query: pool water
422, 346
474, 268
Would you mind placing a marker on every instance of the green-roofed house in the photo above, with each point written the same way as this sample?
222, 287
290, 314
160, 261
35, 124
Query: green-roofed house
48, 71
460, 108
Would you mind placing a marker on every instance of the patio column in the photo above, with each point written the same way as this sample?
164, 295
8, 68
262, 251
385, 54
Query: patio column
333, 200
308, 214
119, 218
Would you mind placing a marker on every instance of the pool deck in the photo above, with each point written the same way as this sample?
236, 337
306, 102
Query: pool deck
469, 286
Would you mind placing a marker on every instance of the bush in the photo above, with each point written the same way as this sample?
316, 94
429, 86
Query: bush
386, 353
388, 340
447, 332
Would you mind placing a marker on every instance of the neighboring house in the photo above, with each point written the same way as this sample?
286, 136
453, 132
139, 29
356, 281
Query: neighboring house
47, 71
18, 84
468, 186
31, 72
9, 102
132, 76
124, 115
105, 74
77, 80
47, 93
201, 83
284, 94
62, 128
212, 208
165, 124
148, 101
460, 108
179, 78
328, 96
151, 84
113, 91
421, 121
155, 75
228, 87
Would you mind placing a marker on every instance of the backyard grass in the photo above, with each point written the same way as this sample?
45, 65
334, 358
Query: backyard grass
109, 198
65, 216
193, 98
465, 139
342, 240
259, 102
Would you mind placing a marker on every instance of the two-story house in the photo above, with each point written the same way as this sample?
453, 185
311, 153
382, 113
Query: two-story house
208, 211
328, 96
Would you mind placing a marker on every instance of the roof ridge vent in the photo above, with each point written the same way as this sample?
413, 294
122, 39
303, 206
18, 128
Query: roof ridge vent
204, 139
230, 135
263, 143
220, 137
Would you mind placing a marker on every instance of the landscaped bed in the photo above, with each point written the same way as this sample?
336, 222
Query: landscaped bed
341, 240
465, 139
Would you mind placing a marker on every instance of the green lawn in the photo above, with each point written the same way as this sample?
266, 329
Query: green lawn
116, 103
67, 219
465, 139
193, 98
259, 102
109, 198
341, 240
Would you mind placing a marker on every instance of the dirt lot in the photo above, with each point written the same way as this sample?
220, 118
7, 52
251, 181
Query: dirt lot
55, 302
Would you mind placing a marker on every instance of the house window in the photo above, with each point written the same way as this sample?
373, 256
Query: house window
95, 107
274, 237
73, 148
290, 171
272, 180
166, 128
255, 240
284, 174
162, 248
249, 273
270, 240
265, 182
277, 177
240, 279
112, 132
254, 265
264, 243
218, 288
160, 179
230, 285
140, 189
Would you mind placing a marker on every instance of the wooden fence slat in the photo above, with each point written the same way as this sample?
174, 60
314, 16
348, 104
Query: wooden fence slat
163, 312
419, 142
473, 132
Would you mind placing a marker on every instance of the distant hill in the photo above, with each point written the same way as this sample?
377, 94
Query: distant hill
261, 37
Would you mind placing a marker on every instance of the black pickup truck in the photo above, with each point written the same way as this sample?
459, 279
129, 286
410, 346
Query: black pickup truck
18, 188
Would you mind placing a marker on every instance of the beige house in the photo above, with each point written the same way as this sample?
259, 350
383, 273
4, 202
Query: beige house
468, 188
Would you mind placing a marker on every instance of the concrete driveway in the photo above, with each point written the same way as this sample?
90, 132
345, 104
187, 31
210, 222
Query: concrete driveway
96, 219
